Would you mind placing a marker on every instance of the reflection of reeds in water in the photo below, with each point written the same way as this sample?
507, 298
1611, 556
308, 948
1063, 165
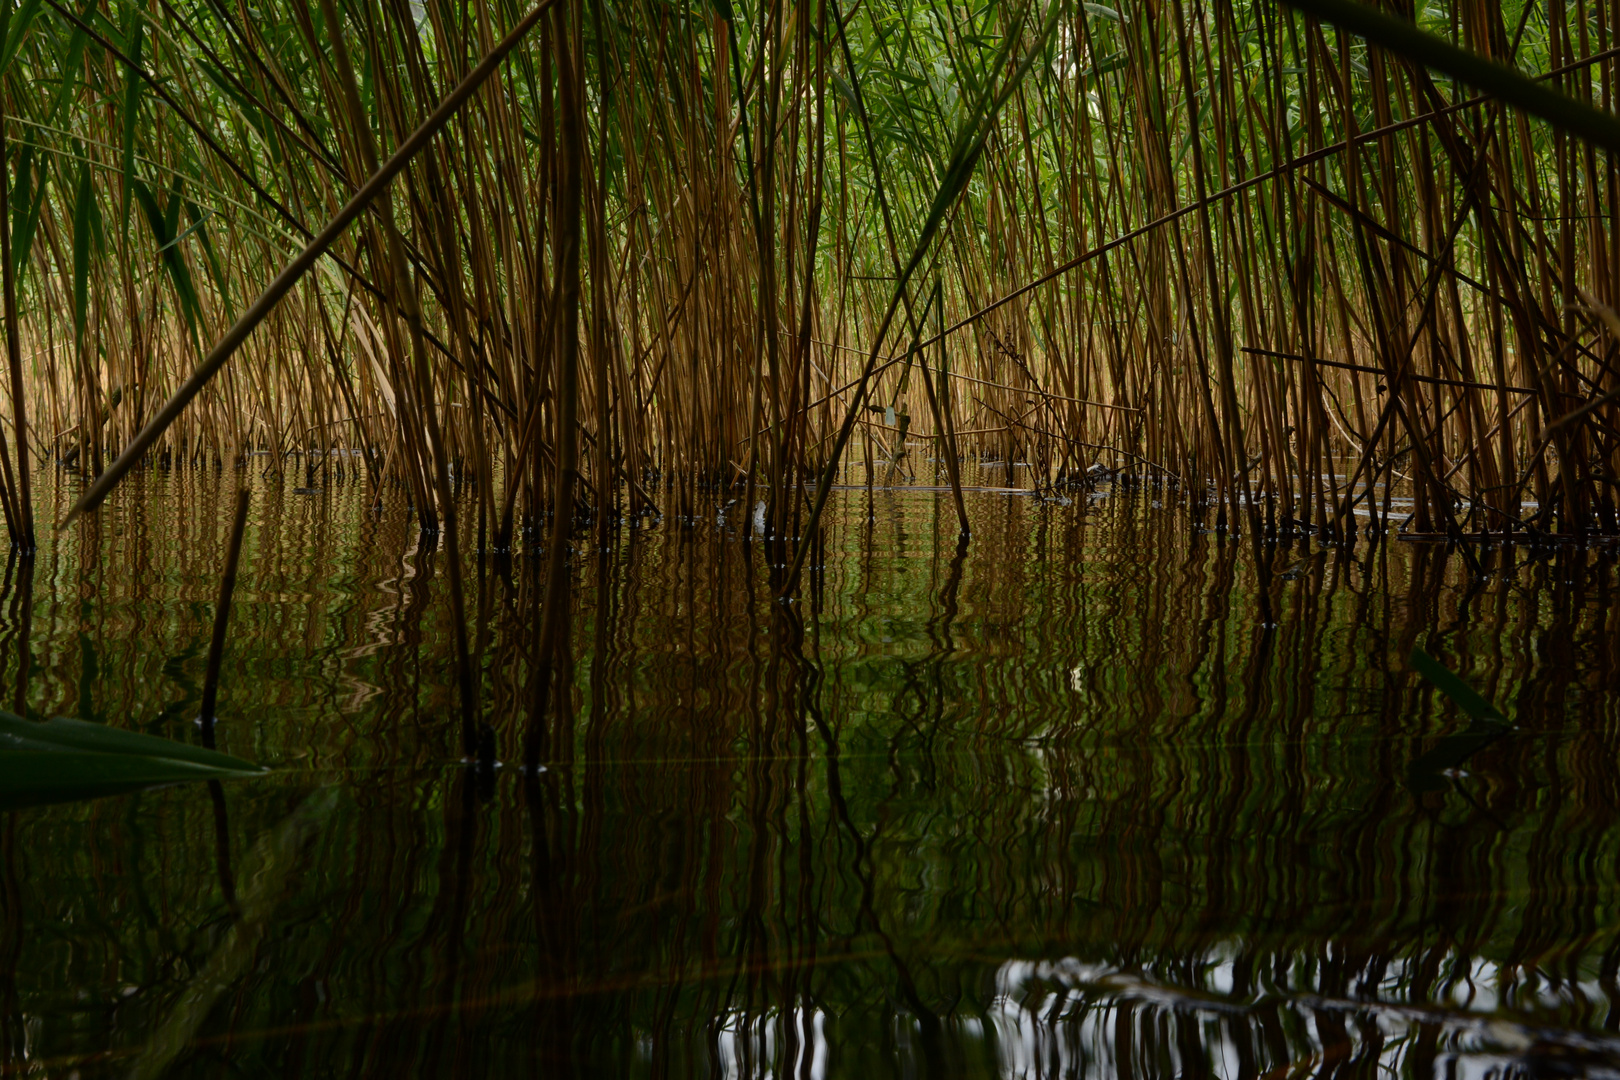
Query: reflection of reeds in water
1078, 796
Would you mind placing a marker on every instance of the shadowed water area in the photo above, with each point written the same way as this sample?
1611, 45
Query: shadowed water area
1097, 795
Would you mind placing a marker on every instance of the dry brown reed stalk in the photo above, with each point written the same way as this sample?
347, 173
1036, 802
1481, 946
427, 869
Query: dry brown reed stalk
22, 502
222, 617
552, 616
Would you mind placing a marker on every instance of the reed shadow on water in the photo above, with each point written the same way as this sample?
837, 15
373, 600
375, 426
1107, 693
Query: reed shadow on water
1061, 799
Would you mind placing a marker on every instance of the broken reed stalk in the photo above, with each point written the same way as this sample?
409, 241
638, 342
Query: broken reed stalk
222, 618
301, 263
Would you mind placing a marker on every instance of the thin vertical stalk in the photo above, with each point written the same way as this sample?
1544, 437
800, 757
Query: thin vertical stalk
222, 618
13, 332
554, 602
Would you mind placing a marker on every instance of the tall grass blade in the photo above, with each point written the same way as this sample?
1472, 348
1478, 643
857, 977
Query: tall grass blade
64, 760
135, 37
1499, 80
14, 27
1462, 695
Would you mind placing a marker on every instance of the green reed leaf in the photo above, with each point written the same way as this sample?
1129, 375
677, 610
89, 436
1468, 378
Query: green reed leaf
165, 224
65, 760
1450, 684
14, 29
1501, 81
29, 200
132, 108
72, 71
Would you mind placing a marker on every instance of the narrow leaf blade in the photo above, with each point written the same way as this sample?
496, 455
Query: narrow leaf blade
1466, 698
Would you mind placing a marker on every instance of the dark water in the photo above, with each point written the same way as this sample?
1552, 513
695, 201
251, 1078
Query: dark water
1096, 798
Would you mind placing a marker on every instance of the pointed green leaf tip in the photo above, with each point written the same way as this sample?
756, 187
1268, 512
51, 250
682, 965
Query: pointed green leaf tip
1477, 708
64, 760
14, 27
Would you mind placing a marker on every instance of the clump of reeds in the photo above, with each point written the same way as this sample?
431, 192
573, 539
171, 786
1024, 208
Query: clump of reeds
658, 258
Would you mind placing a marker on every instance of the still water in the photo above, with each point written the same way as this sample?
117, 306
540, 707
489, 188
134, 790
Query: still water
1101, 794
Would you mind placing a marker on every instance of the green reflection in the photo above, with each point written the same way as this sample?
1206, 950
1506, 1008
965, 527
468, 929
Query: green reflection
1097, 795
63, 760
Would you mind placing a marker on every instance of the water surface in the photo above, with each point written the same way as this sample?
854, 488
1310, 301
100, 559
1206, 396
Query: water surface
1100, 794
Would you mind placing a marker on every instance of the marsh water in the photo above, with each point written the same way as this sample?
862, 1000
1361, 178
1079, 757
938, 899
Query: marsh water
1100, 794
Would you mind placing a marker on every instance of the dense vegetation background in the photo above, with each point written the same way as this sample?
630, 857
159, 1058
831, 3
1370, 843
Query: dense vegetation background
1214, 242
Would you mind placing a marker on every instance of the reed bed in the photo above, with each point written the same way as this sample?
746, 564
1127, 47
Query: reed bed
671, 256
